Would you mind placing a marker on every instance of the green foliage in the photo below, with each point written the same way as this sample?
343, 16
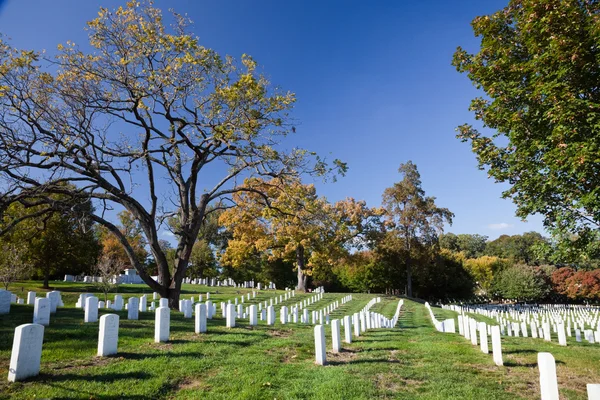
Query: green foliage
519, 248
471, 245
54, 243
522, 283
412, 217
484, 269
538, 68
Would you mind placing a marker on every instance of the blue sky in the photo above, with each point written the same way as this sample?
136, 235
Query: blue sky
374, 84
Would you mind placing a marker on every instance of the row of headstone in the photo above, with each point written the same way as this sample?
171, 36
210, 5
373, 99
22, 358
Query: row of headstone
360, 321
540, 321
26, 354
7, 298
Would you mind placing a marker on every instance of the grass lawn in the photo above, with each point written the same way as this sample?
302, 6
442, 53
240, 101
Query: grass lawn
411, 361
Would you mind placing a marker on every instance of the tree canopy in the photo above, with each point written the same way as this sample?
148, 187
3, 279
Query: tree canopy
538, 67
135, 124
412, 218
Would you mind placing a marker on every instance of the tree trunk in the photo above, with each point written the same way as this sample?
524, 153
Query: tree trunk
46, 278
300, 264
408, 280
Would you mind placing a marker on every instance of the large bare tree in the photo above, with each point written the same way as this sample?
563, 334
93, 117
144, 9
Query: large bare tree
149, 121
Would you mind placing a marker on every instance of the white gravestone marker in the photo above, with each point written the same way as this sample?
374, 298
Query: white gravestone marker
200, 318
143, 303
271, 315
41, 311
26, 352
163, 302
30, 298
593, 391
209, 309
562, 337
335, 335
548, 382
162, 324
253, 315
483, 340
230, 316
497, 345
133, 308
320, 352
4, 301
118, 304
108, 335
91, 309
347, 329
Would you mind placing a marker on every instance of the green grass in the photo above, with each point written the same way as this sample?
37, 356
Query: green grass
412, 361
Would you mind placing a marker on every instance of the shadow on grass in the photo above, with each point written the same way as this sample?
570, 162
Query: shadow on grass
527, 365
519, 351
365, 361
143, 356
108, 377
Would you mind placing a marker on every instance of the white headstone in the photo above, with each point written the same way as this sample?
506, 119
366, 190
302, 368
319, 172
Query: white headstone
271, 315
108, 335
483, 340
356, 324
30, 298
200, 318
496, 345
253, 315
54, 297
41, 311
143, 303
593, 391
162, 324
118, 304
164, 302
320, 351
562, 337
548, 382
347, 329
230, 323
26, 352
187, 309
133, 308
283, 315
209, 309
4, 301
335, 335
91, 309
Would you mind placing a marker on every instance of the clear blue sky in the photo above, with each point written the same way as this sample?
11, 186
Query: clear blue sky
373, 79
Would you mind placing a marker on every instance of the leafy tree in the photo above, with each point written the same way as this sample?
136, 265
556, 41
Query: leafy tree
142, 122
363, 272
581, 250
52, 243
449, 241
538, 68
203, 263
484, 269
13, 265
414, 219
473, 245
559, 279
112, 249
291, 222
518, 248
584, 285
522, 283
